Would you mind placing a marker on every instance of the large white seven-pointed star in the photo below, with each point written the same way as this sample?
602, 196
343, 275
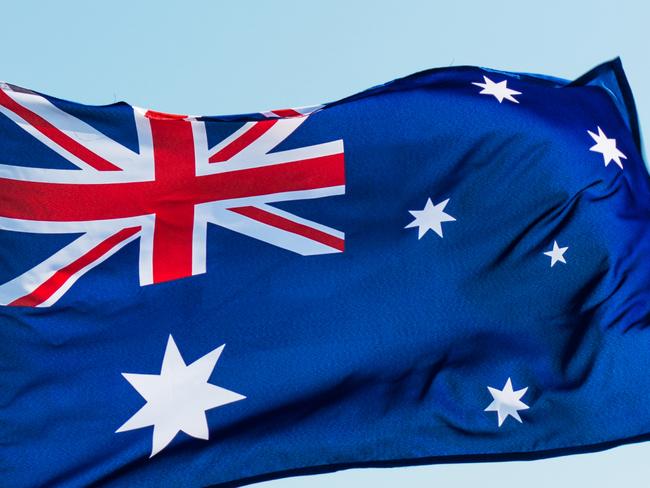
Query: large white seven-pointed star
178, 397
500, 90
556, 254
430, 218
507, 402
606, 147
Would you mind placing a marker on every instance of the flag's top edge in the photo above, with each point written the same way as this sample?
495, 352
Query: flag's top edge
609, 76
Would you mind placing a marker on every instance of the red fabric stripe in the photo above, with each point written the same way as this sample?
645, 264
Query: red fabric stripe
152, 114
70, 202
247, 138
57, 136
291, 226
58, 279
175, 174
286, 112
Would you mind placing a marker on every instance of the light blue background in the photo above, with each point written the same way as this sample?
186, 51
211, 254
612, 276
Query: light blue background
201, 57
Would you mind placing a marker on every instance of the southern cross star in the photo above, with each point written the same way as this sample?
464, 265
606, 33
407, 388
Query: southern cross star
500, 90
556, 254
606, 147
507, 402
178, 397
430, 217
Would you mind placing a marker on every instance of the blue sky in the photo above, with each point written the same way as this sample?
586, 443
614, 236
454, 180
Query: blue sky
206, 57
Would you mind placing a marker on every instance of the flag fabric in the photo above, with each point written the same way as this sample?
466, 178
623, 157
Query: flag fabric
452, 266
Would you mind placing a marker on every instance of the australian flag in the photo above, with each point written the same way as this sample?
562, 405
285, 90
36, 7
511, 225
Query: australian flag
453, 266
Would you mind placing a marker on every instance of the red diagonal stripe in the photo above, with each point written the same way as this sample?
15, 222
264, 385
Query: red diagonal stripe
247, 138
286, 112
152, 114
56, 136
290, 226
58, 279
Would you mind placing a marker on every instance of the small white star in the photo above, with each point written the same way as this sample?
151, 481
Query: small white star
556, 254
178, 397
430, 218
500, 90
507, 402
607, 147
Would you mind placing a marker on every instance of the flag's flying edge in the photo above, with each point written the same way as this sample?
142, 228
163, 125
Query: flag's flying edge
611, 77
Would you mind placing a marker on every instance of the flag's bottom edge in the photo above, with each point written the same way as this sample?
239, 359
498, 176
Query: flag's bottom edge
431, 460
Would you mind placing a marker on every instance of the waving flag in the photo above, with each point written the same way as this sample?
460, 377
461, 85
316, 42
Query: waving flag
448, 267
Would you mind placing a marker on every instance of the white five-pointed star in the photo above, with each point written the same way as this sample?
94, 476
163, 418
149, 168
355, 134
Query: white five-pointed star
178, 397
500, 90
556, 254
430, 218
607, 147
507, 402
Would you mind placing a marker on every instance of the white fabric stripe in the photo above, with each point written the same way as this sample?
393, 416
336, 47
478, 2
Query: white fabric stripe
87, 226
201, 152
76, 177
144, 164
145, 264
200, 239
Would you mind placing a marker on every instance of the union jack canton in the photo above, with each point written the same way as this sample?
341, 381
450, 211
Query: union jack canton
164, 194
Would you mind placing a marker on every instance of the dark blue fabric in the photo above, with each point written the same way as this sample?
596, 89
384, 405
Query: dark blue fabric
380, 355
